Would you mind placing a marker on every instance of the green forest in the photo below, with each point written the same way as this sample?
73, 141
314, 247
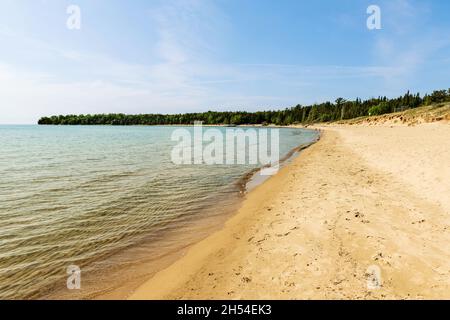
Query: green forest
340, 109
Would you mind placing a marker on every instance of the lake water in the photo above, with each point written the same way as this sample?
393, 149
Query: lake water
85, 196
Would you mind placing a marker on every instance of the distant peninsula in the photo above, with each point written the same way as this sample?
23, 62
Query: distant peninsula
328, 111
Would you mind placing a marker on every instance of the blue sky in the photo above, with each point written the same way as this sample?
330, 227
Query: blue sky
164, 56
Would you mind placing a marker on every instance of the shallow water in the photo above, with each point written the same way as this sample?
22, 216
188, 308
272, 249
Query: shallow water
81, 195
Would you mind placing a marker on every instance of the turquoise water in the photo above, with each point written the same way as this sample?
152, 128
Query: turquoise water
78, 195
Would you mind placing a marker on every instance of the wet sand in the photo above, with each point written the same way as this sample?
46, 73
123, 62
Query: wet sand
361, 199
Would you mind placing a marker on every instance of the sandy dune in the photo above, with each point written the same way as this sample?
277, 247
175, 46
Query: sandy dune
361, 199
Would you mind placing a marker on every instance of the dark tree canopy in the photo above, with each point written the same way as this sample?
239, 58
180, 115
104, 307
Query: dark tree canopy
324, 112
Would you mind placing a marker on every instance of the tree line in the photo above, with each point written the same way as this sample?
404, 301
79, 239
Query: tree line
340, 109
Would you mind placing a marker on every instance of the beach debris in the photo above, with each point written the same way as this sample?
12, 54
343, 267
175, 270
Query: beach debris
378, 256
266, 236
289, 284
283, 235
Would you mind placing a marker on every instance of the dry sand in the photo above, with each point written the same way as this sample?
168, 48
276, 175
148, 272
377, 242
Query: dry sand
360, 199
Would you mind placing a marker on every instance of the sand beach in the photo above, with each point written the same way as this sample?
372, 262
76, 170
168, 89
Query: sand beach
365, 197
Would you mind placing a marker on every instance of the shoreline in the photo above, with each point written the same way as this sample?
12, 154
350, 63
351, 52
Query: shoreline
168, 279
200, 228
303, 235
160, 279
252, 179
